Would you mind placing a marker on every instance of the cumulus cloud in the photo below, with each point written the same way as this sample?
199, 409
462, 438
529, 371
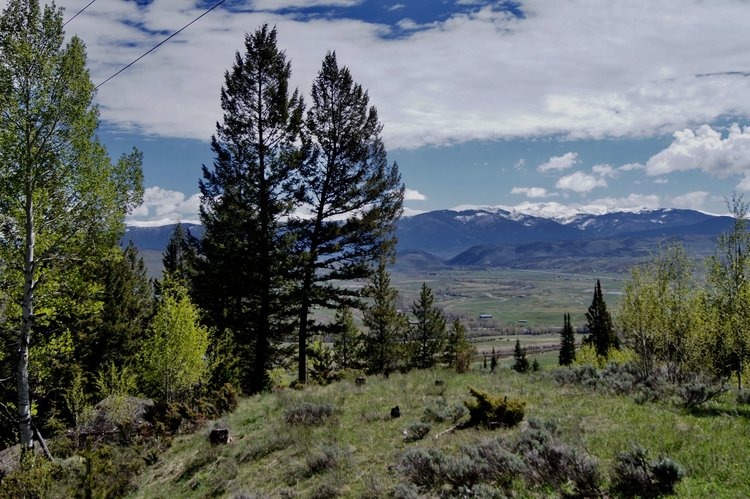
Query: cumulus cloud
690, 200
521, 81
531, 192
413, 195
629, 167
705, 149
632, 201
559, 162
167, 206
604, 171
580, 182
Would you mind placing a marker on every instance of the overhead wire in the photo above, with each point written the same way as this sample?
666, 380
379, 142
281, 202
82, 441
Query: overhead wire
159, 44
76, 14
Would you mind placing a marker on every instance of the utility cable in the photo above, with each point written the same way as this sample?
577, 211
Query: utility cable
160, 43
76, 14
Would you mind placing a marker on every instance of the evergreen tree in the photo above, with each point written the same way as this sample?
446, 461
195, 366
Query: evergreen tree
127, 308
384, 323
567, 343
427, 334
242, 279
601, 333
179, 256
347, 339
520, 362
353, 195
62, 199
458, 351
493, 361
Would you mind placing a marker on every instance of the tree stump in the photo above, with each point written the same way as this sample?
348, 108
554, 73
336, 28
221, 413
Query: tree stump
395, 412
219, 436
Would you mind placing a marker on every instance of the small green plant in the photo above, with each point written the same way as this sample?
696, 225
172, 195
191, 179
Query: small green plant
490, 411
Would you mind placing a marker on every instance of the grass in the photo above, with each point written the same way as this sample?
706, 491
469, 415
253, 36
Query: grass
352, 453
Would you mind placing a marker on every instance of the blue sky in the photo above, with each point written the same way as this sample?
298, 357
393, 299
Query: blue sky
612, 105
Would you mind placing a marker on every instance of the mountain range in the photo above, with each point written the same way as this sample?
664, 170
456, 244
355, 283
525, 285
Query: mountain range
544, 235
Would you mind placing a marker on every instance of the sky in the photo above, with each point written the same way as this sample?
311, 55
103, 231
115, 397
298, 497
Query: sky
613, 104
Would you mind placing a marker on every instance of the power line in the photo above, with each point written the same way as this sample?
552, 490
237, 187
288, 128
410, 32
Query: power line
76, 14
160, 43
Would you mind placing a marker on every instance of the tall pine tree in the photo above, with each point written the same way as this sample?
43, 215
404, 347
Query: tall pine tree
243, 276
384, 324
567, 343
427, 334
601, 332
353, 195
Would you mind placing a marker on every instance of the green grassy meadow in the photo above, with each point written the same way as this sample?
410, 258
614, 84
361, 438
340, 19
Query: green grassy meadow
269, 457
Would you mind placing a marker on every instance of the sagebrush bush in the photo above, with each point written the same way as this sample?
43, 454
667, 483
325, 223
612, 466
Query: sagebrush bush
416, 431
743, 396
495, 463
422, 467
699, 390
490, 411
405, 490
323, 459
308, 413
633, 475
439, 411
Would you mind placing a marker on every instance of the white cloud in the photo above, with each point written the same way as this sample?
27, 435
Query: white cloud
604, 171
704, 149
632, 201
744, 185
559, 162
580, 182
691, 200
531, 192
287, 4
661, 180
629, 167
574, 68
520, 165
165, 205
397, 6
413, 195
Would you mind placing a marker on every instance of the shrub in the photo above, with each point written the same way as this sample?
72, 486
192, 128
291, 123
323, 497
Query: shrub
308, 413
698, 391
416, 431
490, 411
743, 396
405, 491
33, 478
440, 411
634, 476
422, 467
324, 459
495, 463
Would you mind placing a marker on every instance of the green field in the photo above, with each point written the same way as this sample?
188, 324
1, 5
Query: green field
540, 298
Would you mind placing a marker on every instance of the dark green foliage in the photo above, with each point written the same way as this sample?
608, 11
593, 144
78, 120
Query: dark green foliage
535, 366
634, 475
128, 305
743, 396
183, 417
493, 361
242, 275
323, 369
520, 362
567, 343
384, 324
601, 332
352, 193
427, 334
32, 479
308, 414
179, 258
491, 412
